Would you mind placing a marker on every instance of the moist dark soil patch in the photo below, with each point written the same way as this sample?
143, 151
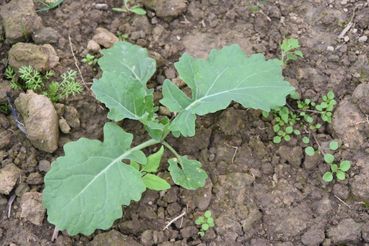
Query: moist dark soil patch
260, 193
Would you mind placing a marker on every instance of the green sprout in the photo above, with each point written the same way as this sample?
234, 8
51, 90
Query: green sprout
31, 79
90, 60
205, 222
49, 5
339, 170
122, 36
69, 85
290, 50
136, 9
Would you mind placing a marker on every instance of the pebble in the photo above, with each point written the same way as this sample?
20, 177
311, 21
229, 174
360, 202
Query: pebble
101, 6
44, 165
346, 39
363, 39
330, 48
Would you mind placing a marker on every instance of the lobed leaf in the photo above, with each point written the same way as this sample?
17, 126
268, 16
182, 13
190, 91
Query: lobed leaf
122, 88
187, 173
227, 75
86, 188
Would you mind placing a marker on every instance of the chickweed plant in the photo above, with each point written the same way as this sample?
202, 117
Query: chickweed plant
86, 188
90, 60
205, 222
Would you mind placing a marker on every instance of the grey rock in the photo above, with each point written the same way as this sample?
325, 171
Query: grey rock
40, 57
347, 231
47, 35
310, 162
31, 207
291, 154
199, 198
35, 179
63, 125
346, 116
365, 232
93, 47
360, 182
19, 19
8, 178
313, 236
40, 119
4, 88
104, 37
44, 165
113, 238
71, 116
166, 8
189, 231
5, 138
360, 97
150, 237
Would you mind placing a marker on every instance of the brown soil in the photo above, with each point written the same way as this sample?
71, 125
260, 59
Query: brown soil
259, 194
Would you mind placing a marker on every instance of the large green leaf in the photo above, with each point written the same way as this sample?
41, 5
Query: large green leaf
86, 188
187, 173
122, 88
227, 75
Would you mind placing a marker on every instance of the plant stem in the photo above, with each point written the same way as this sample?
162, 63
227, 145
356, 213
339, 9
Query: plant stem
172, 150
138, 147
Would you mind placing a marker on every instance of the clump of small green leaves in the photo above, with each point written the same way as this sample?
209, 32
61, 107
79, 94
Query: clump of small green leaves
29, 78
90, 60
86, 188
308, 116
339, 170
122, 36
205, 222
290, 50
136, 9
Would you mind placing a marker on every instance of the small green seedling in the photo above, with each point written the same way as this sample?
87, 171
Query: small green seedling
31, 79
47, 5
339, 170
205, 222
122, 36
90, 60
290, 50
86, 188
136, 9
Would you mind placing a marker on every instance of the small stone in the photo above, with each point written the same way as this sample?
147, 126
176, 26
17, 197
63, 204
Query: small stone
20, 20
46, 35
4, 88
189, 231
346, 39
35, 179
347, 231
330, 48
113, 238
71, 116
363, 39
104, 37
40, 57
44, 165
21, 189
313, 236
166, 8
8, 178
93, 47
40, 120
164, 111
63, 125
5, 138
31, 208
101, 6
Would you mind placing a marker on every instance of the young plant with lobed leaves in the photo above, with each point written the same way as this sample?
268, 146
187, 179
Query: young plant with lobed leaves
86, 188
31, 79
136, 9
290, 50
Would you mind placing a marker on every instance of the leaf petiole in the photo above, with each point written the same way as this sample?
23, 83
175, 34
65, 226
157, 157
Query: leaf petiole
171, 149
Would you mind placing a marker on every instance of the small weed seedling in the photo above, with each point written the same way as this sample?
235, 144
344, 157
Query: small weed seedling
290, 50
90, 60
339, 170
205, 222
136, 9
31, 79
49, 5
86, 188
122, 36
303, 122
